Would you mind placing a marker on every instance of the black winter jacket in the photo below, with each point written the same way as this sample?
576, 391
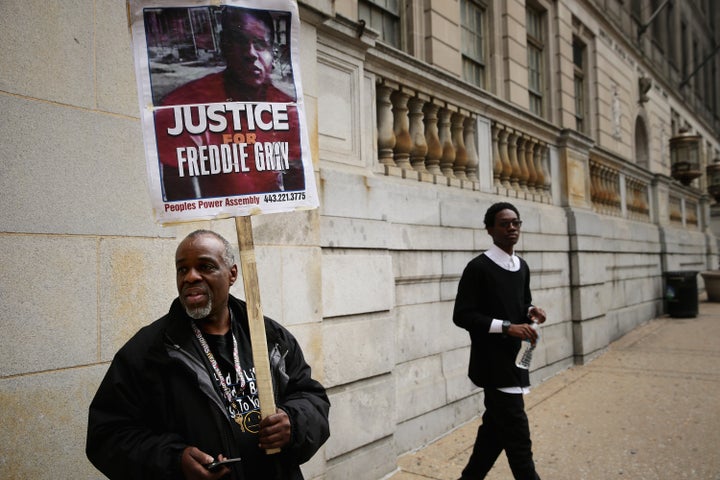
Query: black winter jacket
157, 398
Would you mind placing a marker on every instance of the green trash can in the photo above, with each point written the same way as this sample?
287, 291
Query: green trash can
681, 294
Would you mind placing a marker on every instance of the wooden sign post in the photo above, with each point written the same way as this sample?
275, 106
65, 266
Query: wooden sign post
256, 320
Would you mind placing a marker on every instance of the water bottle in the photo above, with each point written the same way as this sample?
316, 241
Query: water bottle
524, 356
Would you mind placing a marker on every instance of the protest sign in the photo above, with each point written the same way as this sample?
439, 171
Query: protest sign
222, 108
224, 124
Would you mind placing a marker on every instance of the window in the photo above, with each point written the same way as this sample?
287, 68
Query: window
684, 54
384, 17
636, 10
579, 62
658, 32
697, 85
535, 46
671, 48
472, 18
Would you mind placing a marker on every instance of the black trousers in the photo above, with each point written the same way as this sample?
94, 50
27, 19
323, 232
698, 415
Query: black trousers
504, 427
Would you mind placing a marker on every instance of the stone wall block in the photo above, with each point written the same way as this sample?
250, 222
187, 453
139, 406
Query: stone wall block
590, 337
348, 360
137, 286
368, 463
49, 291
116, 83
288, 278
88, 179
44, 423
364, 412
343, 232
49, 51
455, 372
419, 386
356, 283
425, 428
419, 330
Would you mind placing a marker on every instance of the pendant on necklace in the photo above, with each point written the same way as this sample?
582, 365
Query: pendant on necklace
238, 419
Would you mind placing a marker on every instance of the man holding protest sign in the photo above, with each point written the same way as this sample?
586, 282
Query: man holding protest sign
232, 132
183, 391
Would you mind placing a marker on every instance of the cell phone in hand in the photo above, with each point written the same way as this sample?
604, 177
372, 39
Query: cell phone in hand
219, 463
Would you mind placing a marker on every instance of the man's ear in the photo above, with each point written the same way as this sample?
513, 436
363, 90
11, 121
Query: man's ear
233, 274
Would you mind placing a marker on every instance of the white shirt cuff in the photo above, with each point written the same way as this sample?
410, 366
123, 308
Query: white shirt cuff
496, 326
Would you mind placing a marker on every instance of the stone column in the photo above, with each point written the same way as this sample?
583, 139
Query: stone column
417, 133
460, 162
385, 133
512, 153
524, 173
448, 150
401, 127
530, 146
506, 170
472, 157
434, 152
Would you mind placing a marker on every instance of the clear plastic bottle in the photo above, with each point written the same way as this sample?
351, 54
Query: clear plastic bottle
524, 356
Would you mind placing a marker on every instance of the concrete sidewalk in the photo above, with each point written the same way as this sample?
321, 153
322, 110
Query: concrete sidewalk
646, 409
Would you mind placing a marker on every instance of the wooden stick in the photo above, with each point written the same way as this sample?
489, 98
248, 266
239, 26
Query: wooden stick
258, 341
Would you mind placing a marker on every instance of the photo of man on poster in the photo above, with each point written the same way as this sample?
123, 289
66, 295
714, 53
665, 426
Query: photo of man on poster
233, 131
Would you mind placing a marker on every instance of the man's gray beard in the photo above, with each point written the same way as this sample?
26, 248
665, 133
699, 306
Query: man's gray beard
199, 313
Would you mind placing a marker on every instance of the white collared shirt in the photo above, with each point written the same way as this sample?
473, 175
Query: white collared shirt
502, 259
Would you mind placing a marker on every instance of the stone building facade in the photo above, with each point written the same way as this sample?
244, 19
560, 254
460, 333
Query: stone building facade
421, 114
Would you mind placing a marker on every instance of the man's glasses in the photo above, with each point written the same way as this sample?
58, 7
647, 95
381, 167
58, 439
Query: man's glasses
508, 223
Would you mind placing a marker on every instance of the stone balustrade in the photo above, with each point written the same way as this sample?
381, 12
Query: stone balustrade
425, 138
637, 195
520, 163
675, 210
605, 188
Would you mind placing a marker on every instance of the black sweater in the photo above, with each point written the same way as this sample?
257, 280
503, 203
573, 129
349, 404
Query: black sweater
487, 291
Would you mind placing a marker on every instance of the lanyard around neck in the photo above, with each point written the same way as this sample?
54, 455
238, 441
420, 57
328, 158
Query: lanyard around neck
236, 359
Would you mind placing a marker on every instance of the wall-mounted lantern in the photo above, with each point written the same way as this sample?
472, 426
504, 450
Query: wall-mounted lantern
685, 156
713, 179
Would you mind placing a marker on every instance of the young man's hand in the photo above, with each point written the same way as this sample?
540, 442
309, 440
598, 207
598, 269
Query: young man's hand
537, 314
523, 331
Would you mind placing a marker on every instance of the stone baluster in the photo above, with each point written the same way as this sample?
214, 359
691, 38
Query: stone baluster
472, 157
617, 199
530, 145
460, 163
512, 153
401, 127
524, 173
385, 132
417, 133
594, 184
434, 151
547, 177
506, 171
497, 162
539, 170
605, 189
631, 195
448, 151
644, 200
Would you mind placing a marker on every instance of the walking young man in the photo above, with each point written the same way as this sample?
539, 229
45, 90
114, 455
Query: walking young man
494, 305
